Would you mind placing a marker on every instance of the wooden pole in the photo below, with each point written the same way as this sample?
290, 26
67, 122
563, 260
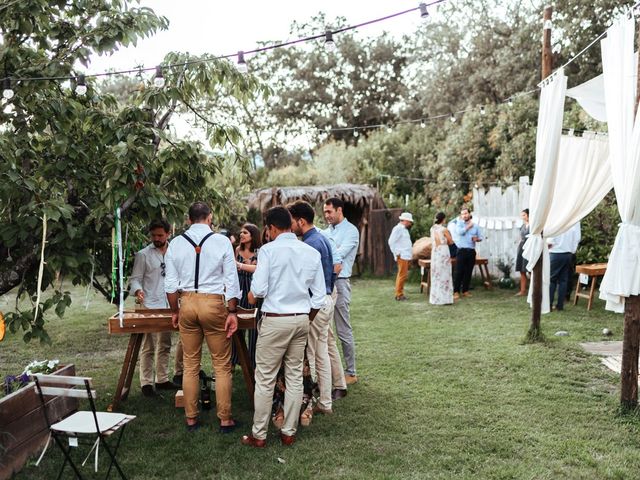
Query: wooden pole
536, 274
631, 339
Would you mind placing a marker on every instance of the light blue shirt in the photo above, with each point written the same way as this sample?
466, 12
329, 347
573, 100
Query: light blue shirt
346, 237
463, 235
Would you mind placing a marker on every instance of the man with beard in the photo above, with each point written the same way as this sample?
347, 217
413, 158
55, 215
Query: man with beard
147, 285
400, 245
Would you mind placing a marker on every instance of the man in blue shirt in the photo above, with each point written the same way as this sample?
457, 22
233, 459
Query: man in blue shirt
317, 344
467, 234
346, 237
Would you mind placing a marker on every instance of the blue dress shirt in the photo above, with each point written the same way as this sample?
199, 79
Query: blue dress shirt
463, 237
318, 241
346, 237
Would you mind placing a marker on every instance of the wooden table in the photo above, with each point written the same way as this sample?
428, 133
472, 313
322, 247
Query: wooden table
138, 322
593, 271
425, 269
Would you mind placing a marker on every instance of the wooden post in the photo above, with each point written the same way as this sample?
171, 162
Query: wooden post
631, 339
536, 274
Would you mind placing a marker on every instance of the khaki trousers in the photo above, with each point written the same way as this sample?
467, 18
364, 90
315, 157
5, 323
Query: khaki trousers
280, 339
156, 348
179, 365
202, 316
401, 278
318, 352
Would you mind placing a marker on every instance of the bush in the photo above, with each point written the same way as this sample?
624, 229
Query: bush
599, 230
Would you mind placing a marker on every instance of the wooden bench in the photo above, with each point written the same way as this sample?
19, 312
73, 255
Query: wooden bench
425, 273
593, 271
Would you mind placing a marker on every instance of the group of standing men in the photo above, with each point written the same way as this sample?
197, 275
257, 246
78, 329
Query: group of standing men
303, 286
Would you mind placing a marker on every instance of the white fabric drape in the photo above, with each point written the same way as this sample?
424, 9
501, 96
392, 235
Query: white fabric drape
590, 96
547, 145
583, 179
622, 278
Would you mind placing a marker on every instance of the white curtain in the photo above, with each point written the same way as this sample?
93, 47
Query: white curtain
622, 278
583, 179
547, 145
590, 96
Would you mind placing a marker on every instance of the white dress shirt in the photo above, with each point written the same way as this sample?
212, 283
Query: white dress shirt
147, 275
218, 271
287, 270
567, 242
400, 242
347, 238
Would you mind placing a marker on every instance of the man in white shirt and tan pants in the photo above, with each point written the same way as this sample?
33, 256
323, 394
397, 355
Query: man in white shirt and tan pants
201, 273
289, 277
400, 245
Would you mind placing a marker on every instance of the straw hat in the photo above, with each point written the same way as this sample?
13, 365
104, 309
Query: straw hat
406, 216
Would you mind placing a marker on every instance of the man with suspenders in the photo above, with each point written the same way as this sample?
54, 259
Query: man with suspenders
200, 274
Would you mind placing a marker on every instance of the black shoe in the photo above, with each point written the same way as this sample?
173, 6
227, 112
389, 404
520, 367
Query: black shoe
167, 386
194, 428
338, 393
177, 381
148, 391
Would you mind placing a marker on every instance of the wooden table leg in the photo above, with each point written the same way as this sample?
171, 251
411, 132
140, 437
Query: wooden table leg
592, 290
126, 374
245, 364
575, 298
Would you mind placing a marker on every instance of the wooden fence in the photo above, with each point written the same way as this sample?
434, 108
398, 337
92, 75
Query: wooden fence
497, 212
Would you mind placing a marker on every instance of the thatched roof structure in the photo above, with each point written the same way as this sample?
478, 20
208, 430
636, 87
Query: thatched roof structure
363, 197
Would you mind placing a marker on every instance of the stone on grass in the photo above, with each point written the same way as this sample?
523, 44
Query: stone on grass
562, 333
606, 332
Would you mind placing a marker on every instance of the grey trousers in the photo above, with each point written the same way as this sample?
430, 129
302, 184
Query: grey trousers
343, 324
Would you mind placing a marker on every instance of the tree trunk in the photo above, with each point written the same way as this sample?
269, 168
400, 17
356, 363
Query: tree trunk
630, 348
12, 276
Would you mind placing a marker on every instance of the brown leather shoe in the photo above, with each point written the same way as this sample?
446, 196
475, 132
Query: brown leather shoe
251, 441
287, 440
322, 411
350, 379
456, 296
466, 294
338, 393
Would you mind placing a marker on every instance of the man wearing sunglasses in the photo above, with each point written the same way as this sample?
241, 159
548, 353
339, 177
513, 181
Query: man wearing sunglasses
147, 285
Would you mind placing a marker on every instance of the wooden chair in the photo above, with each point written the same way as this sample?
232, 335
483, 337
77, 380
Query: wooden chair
82, 424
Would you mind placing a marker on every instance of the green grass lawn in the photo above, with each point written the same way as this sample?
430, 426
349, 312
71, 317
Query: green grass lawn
444, 392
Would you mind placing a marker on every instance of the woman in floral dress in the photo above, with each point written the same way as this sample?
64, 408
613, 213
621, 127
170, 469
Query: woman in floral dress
441, 292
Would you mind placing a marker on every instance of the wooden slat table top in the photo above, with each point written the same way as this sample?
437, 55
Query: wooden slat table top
592, 269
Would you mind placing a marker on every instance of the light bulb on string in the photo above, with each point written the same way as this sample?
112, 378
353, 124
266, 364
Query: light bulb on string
7, 92
453, 118
454, 185
424, 11
158, 81
483, 111
329, 44
389, 129
242, 65
510, 102
81, 85
356, 133
423, 124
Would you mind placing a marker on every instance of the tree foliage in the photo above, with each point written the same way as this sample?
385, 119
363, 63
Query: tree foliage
78, 158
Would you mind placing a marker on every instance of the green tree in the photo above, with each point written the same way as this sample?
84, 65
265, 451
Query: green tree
76, 158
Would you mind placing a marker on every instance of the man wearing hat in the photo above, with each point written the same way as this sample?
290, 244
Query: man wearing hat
400, 245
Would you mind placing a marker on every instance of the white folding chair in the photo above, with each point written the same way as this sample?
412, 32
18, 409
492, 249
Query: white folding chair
82, 424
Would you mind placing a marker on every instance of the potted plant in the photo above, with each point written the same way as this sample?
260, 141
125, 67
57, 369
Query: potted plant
505, 267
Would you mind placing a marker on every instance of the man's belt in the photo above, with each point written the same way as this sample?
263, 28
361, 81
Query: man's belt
269, 314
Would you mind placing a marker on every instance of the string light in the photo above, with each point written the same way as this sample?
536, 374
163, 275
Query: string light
329, 44
453, 118
510, 102
7, 92
356, 133
242, 65
483, 111
389, 129
424, 13
423, 124
158, 81
81, 85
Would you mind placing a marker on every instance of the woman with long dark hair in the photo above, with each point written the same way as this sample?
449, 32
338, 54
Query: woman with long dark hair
246, 261
441, 292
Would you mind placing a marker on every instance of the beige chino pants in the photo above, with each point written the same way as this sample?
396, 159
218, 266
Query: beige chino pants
280, 339
156, 348
202, 316
318, 352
